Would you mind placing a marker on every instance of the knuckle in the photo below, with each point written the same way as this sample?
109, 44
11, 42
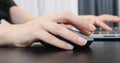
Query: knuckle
68, 13
58, 28
51, 39
92, 15
103, 14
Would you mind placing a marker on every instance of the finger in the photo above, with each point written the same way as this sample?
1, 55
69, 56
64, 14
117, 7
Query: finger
70, 18
67, 34
86, 32
103, 25
109, 18
75, 21
45, 36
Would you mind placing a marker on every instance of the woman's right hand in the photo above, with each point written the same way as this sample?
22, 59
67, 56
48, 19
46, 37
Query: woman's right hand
23, 35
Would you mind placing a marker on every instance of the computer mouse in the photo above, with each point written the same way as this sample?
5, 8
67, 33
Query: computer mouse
89, 40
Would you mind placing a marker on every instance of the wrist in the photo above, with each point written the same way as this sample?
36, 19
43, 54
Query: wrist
3, 34
9, 33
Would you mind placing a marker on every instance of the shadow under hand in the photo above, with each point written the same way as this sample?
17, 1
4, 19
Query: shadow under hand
44, 55
83, 55
55, 55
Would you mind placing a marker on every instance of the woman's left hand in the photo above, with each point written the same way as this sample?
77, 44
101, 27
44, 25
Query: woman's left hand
99, 21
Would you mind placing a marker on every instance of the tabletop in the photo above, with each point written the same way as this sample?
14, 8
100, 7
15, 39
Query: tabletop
98, 52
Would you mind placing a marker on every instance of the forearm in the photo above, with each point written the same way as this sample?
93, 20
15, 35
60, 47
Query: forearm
20, 16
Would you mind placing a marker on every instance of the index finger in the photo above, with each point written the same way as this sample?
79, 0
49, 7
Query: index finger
75, 21
109, 18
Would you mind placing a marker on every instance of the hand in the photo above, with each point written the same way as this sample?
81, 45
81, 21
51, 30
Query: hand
99, 21
39, 29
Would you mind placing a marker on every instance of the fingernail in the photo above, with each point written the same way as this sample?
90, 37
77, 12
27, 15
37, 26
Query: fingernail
82, 41
92, 27
110, 29
69, 46
117, 18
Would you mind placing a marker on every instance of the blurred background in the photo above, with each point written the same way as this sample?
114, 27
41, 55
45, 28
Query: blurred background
81, 7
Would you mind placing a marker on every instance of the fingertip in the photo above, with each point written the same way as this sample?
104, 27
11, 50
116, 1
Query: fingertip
69, 47
109, 29
92, 27
117, 18
82, 41
89, 33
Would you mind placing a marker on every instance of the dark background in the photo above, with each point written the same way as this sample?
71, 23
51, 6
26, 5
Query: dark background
98, 7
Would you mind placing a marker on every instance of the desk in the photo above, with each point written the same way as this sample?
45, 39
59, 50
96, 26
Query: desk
99, 52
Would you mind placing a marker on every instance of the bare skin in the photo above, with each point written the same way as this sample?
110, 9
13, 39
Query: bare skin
19, 16
28, 29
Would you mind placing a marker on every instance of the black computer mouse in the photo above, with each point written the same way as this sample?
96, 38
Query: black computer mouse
89, 40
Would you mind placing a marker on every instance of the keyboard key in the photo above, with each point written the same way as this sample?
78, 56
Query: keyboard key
103, 32
113, 32
96, 32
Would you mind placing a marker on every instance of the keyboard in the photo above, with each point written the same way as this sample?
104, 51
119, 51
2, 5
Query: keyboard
101, 31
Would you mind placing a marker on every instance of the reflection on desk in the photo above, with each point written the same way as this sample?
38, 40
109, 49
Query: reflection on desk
99, 52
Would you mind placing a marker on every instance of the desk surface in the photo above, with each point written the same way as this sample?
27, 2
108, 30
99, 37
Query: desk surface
99, 52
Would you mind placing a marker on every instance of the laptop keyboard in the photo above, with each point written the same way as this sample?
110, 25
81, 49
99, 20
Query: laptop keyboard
101, 31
